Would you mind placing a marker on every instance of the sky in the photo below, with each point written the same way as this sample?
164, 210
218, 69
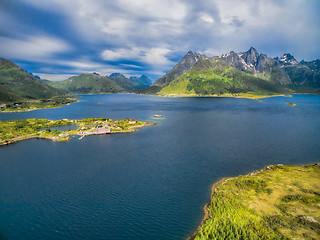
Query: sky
57, 39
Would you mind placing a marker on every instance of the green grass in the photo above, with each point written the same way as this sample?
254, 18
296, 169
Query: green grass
178, 87
282, 202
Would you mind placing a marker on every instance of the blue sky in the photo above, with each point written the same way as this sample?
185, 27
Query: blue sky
56, 39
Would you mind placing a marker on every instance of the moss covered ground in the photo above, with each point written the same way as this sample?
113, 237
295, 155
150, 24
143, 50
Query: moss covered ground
279, 202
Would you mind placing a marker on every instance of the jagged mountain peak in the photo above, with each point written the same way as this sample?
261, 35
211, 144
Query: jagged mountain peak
288, 56
253, 50
196, 56
287, 59
187, 62
259, 65
146, 79
251, 56
114, 75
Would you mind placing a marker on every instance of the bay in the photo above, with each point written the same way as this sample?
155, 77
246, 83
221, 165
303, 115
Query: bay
151, 184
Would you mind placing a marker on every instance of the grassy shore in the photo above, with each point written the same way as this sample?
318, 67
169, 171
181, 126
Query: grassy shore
279, 202
30, 105
249, 95
22, 129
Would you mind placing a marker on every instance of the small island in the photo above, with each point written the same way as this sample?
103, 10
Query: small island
291, 104
158, 116
278, 202
17, 130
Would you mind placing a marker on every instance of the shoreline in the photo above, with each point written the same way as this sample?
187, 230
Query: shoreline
214, 188
253, 97
34, 109
207, 215
219, 183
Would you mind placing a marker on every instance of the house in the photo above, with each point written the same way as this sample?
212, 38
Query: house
132, 122
102, 130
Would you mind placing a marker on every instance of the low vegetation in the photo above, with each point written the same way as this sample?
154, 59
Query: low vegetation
291, 104
279, 202
22, 129
29, 105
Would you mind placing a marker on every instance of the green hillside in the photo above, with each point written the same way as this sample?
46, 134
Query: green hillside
18, 85
88, 84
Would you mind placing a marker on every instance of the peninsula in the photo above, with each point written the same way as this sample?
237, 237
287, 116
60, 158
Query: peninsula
17, 130
278, 202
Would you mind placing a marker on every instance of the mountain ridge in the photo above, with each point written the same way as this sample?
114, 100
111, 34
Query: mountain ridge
256, 71
93, 83
132, 83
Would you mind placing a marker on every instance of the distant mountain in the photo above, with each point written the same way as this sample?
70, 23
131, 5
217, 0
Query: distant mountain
132, 83
88, 83
187, 62
304, 75
143, 81
18, 85
234, 73
214, 76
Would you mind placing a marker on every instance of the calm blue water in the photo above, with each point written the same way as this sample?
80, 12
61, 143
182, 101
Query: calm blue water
150, 184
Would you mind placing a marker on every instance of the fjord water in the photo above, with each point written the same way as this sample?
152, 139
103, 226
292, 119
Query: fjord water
151, 184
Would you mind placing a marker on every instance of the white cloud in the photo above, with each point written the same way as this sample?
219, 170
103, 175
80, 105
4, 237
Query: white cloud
32, 48
118, 22
154, 31
151, 56
130, 66
54, 77
173, 10
81, 64
207, 18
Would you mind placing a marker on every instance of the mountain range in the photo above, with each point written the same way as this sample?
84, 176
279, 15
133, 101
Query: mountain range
238, 73
231, 74
18, 85
89, 83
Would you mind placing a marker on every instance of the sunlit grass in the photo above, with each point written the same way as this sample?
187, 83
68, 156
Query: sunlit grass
282, 202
